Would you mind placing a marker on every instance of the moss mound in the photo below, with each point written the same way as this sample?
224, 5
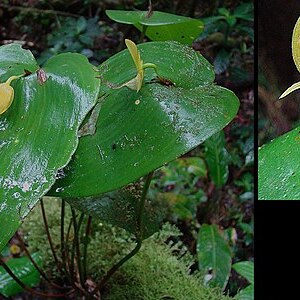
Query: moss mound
154, 273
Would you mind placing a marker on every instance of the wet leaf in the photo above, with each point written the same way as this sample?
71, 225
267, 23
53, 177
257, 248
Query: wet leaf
278, 166
132, 140
214, 255
38, 133
120, 208
24, 270
161, 26
245, 269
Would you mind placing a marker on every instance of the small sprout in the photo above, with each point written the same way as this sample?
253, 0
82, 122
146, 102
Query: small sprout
7, 94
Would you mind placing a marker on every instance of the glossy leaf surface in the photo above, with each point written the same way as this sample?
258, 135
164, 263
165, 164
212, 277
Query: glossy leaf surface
120, 208
24, 270
214, 255
38, 133
278, 168
133, 139
245, 269
246, 293
161, 26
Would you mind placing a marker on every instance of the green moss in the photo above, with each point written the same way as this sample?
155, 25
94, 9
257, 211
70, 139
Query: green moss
154, 273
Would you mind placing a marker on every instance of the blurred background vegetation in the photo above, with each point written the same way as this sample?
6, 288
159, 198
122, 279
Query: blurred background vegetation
194, 189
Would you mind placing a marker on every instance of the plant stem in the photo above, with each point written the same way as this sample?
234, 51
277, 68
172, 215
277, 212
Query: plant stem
73, 247
49, 237
62, 230
43, 274
141, 208
25, 287
63, 244
68, 262
86, 240
150, 10
116, 267
77, 245
139, 236
144, 29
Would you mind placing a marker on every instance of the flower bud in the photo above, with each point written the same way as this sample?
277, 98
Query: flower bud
7, 94
6, 97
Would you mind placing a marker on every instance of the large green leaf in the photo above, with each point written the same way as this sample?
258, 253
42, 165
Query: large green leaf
120, 208
216, 158
245, 269
160, 26
131, 140
24, 269
38, 133
246, 293
214, 255
279, 168
14, 60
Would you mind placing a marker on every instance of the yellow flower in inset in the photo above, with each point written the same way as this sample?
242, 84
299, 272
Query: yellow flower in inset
137, 81
296, 57
6, 94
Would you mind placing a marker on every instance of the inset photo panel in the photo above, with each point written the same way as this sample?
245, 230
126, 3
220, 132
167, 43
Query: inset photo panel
278, 100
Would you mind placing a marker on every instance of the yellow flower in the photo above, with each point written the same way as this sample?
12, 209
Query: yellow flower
6, 94
136, 82
296, 57
14, 249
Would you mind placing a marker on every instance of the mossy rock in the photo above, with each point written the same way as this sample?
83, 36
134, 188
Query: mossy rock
154, 273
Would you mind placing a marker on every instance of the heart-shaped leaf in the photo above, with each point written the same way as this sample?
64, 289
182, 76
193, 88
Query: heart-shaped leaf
161, 26
120, 208
278, 166
38, 133
138, 132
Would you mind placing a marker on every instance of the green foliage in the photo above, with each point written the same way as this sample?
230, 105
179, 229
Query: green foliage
217, 158
214, 255
120, 208
160, 26
177, 186
75, 35
45, 106
222, 29
134, 138
24, 270
278, 176
246, 270
153, 273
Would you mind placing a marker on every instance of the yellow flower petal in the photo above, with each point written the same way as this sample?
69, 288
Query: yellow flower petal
6, 97
292, 88
296, 44
135, 54
7, 94
136, 82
